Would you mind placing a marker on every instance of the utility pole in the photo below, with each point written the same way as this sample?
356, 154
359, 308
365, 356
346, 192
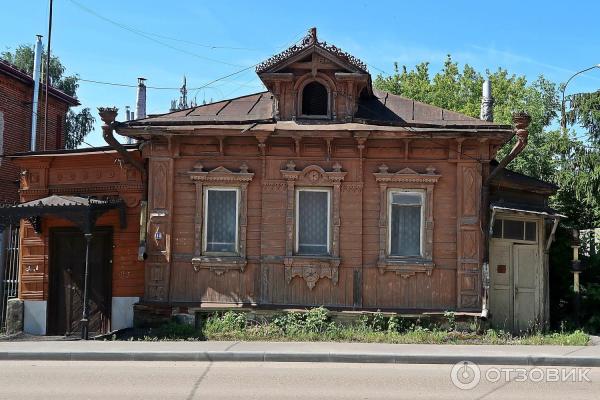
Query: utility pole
47, 74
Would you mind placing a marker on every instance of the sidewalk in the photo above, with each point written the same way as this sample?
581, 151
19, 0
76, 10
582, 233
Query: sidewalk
585, 356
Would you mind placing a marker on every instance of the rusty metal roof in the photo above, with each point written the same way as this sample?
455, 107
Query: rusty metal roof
381, 109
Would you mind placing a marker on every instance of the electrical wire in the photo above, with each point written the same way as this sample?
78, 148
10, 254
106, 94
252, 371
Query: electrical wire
147, 36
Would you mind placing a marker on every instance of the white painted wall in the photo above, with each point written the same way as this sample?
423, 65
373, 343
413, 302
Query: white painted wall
35, 317
122, 312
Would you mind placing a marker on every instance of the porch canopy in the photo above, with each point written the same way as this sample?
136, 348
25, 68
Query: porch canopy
81, 211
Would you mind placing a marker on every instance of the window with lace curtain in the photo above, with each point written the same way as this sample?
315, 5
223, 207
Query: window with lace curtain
405, 218
312, 221
221, 220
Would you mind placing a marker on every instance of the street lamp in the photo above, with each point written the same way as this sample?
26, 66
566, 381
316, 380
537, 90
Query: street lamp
563, 119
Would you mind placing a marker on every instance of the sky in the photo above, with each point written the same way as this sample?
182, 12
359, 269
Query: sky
119, 41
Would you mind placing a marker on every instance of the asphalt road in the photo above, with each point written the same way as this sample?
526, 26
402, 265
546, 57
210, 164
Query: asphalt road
227, 380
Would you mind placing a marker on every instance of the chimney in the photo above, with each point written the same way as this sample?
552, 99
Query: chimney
140, 105
37, 71
487, 102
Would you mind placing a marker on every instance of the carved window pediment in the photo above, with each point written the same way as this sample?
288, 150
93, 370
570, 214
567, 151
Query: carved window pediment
406, 179
313, 175
220, 174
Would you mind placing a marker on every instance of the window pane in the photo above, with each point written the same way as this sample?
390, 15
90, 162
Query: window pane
513, 229
221, 221
312, 222
530, 231
405, 224
497, 229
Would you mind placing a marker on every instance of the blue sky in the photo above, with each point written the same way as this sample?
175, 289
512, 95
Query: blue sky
553, 38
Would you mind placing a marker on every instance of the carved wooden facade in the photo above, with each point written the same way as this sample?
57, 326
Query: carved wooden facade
362, 145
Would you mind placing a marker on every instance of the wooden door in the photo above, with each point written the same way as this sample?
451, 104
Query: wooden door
525, 259
67, 266
501, 282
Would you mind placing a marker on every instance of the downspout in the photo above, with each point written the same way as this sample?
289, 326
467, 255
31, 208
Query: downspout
521, 120
108, 115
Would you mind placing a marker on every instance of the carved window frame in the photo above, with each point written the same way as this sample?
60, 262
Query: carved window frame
312, 268
237, 191
220, 177
321, 189
407, 180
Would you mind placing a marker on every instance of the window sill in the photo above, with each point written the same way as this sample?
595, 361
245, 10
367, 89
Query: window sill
311, 269
219, 264
405, 267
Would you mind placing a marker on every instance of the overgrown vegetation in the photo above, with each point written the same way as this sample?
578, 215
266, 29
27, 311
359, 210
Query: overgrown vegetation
316, 325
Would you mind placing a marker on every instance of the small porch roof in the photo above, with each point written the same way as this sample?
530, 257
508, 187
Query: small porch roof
523, 208
82, 211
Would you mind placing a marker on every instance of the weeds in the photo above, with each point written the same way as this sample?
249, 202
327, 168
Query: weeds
316, 325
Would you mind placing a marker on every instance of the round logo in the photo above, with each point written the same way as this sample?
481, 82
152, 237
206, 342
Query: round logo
465, 375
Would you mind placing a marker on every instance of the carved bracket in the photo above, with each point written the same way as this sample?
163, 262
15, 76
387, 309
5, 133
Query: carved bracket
311, 269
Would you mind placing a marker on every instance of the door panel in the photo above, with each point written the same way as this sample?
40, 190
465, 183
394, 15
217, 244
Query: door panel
501, 297
67, 266
526, 276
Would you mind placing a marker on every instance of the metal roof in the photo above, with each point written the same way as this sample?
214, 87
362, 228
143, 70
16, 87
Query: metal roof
383, 109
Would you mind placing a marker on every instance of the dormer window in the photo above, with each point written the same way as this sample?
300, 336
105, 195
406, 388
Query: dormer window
315, 100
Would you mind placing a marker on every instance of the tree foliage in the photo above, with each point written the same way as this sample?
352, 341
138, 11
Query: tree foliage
77, 124
549, 155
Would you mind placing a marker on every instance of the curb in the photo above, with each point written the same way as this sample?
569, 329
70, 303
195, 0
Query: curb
264, 356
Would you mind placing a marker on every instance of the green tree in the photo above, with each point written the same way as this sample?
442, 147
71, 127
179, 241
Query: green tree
78, 124
549, 155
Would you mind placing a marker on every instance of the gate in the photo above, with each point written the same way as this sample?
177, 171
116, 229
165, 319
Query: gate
9, 270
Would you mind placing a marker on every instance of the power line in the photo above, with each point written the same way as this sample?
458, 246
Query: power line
147, 36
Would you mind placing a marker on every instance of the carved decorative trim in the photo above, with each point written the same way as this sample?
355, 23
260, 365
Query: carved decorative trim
311, 269
309, 40
407, 179
219, 265
406, 269
352, 187
220, 176
274, 186
406, 175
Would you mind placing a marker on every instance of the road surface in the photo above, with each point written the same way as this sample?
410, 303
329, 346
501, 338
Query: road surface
228, 380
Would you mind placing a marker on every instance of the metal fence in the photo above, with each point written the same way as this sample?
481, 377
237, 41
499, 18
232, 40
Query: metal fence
9, 269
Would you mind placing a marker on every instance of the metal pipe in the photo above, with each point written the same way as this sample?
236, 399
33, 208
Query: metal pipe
108, 116
85, 317
521, 121
47, 75
37, 71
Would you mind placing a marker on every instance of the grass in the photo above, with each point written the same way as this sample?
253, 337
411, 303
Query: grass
315, 325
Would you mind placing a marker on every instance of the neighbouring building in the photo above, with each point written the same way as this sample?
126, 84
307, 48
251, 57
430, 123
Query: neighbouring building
16, 111
320, 191
16, 94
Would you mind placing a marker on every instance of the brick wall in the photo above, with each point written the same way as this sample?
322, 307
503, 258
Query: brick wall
15, 127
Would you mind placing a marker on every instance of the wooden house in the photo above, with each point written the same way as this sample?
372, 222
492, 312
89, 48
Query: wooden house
325, 191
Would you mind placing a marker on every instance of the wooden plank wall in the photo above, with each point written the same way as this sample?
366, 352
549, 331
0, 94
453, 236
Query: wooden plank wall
360, 282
